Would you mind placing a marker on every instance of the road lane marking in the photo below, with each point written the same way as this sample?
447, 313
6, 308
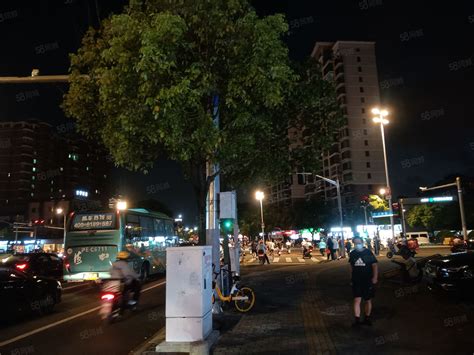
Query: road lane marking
314, 259
288, 260
301, 260
275, 260
38, 330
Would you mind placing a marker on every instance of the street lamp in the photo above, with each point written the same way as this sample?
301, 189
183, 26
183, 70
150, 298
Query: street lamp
121, 205
379, 118
60, 211
339, 203
259, 195
382, 191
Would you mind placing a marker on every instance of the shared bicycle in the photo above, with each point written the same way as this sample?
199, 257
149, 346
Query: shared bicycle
242, 296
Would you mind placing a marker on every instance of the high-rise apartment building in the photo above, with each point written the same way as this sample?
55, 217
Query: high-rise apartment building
356, 157
38, 164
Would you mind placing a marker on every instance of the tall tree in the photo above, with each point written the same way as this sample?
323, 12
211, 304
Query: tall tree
427, 216
151, 81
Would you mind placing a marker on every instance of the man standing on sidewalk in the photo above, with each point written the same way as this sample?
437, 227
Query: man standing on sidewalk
364, 277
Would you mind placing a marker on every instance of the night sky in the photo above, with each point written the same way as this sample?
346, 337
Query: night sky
425, 57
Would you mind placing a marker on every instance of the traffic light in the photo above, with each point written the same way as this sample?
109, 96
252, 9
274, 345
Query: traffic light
227, 225
38, 222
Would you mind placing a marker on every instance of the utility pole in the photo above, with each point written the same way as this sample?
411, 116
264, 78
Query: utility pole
457, 183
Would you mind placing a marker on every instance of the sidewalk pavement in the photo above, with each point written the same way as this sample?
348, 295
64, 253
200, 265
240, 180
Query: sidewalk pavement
286, 318
307, 309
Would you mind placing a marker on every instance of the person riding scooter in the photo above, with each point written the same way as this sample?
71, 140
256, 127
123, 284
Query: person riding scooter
121, 270
307, 252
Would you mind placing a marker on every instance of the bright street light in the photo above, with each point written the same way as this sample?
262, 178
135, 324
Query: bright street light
380, 115
259, 195
121, 205
59, 210
382, 191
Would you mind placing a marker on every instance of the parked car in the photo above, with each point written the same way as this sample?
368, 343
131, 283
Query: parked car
23, 293
453, 272
35, 264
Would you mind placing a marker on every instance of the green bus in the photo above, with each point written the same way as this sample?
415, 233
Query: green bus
93, 240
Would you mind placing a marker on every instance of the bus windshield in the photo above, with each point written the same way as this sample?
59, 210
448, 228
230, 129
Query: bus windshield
94, 221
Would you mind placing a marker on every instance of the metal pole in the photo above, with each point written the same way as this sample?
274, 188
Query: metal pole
64, 232
404, 228
365, 214
261, 217
461, 208
339, 203
386, 176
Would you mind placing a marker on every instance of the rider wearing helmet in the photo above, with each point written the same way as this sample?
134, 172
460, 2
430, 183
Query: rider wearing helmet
121, 270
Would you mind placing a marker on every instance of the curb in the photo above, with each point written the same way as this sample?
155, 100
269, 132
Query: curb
149, 346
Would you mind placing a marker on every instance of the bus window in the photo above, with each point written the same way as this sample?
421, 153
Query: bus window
159, 227
146, 224
169, 229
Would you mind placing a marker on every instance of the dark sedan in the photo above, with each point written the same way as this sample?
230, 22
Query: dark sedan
35, 264
453, 272
22, 293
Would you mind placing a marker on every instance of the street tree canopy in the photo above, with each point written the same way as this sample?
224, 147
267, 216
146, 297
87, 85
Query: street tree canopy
150, 83
427, 216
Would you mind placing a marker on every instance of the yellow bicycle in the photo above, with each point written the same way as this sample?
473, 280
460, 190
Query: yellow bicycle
243, 297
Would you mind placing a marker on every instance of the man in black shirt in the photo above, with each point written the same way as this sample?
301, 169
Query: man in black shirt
364, 277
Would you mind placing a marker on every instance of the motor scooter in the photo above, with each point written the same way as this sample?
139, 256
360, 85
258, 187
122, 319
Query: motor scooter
261, 256
307, 252
111, 296
399, 250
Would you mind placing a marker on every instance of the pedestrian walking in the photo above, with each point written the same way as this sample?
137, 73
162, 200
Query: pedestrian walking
254, 249
369, 244
322, 246
364, 278
348, 246
376, 245
332, 247
261, 247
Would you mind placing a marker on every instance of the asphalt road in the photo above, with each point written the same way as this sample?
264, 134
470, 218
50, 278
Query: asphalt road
75, 326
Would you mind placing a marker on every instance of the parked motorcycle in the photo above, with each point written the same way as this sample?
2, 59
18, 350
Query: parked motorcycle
112, 300
399, 250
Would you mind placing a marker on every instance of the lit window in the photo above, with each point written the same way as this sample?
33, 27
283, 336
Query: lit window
33, 177
34, 169
61, 168
87, 168
64, 196
9, 174
32, 186
52, 182
34, 161
32, 194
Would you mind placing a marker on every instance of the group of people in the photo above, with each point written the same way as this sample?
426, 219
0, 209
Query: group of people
270, 247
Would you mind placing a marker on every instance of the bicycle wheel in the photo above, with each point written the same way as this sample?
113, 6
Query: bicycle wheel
245, 305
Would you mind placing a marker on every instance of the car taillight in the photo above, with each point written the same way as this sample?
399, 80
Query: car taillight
107, 297
21, 266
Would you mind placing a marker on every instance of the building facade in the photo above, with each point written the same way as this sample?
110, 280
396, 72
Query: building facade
39, 168
356, 157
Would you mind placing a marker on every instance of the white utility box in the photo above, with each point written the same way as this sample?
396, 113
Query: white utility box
188, 293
